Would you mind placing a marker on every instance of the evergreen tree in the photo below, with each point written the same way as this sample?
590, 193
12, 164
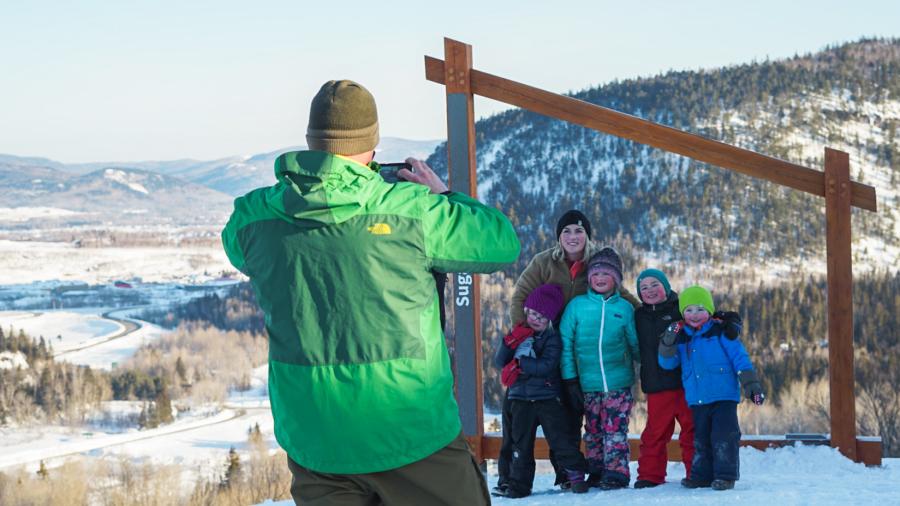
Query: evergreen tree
232, 469
163, 407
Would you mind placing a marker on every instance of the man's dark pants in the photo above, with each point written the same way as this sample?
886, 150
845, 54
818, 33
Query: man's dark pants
449, 476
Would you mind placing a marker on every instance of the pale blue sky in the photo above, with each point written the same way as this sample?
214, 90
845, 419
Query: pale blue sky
140, 80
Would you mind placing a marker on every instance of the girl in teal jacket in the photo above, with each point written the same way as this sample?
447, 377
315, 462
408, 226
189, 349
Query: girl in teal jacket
599, 348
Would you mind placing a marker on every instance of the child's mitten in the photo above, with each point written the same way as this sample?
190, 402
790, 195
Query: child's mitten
668, 340
510, 373
525, 349
731, 322
752, 387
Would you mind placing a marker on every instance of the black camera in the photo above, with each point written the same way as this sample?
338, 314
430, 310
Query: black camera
388, 171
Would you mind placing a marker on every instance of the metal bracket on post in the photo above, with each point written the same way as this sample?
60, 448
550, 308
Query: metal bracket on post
466, 297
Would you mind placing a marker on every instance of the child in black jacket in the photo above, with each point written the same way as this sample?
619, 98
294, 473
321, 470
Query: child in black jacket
665, 394
529, 356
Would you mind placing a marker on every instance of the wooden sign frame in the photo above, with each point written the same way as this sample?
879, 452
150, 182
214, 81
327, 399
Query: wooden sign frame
462, 82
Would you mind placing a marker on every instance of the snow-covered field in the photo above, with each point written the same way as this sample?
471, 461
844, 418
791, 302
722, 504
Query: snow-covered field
198, 440
23, 262
73, 329
102, 337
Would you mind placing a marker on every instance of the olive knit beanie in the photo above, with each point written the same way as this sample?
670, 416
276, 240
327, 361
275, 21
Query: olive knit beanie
696, 296
342, 119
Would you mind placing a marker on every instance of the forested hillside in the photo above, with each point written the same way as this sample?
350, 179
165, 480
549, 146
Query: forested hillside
681, 211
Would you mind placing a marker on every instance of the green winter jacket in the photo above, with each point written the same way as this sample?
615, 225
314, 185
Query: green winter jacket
599, 342
359, 374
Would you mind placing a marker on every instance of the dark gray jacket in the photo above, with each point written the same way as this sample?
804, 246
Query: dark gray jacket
540, 378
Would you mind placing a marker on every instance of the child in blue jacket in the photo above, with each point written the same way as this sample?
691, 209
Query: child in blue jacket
714, 367
599, 350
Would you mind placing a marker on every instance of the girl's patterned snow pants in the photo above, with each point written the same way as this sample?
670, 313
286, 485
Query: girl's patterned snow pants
606, 417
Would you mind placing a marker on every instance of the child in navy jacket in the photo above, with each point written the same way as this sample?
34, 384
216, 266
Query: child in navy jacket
529, 356
714, 367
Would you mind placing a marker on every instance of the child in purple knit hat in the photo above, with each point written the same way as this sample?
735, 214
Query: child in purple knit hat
529, 356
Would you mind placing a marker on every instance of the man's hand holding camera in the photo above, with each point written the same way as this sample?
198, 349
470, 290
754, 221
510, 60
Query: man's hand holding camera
422, 174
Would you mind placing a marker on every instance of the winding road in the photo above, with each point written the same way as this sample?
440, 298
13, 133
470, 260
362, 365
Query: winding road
129, 326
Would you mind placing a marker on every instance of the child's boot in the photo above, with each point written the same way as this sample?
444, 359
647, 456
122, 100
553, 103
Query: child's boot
576, 481
646, 484
689, 483
722, 484
594, 479
613, 483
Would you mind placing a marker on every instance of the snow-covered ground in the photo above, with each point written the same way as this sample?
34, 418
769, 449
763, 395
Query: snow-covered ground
809, 475
197, 440
102, 337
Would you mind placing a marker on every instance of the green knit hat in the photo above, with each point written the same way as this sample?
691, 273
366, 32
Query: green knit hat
342, 119
696, 295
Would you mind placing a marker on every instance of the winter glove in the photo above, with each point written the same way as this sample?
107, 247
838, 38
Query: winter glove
510, 373
525, 349
752, 387
668, 340
518, 334
574, 396
731, 322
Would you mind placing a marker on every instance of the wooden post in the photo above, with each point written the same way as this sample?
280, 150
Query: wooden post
466, 286
840, 301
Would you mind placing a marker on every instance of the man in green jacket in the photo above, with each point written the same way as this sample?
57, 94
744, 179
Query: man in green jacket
341, 262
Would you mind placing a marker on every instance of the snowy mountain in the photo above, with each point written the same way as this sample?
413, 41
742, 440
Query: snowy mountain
660, 206
110, 195
234, 175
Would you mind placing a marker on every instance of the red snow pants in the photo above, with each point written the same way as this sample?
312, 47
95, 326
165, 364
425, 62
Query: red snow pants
663, 409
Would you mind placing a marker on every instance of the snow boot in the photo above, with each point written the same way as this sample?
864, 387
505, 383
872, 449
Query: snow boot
722, 484
594, 479
610, 483
576, 482
689, 483
510, 492
562, 480
646, 484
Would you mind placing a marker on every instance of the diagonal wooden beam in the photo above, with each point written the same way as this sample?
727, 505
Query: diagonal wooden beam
653, 134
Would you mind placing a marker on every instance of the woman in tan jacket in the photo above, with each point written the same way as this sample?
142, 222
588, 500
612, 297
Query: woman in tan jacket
563, 265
